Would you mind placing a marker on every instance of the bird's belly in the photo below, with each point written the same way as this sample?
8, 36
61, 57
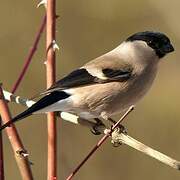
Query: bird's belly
111, 98
132, 93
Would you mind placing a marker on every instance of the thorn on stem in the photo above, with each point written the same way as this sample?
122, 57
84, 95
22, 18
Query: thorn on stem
45, 62
31, 163
54, 45
23, 153
57, 16
42, 2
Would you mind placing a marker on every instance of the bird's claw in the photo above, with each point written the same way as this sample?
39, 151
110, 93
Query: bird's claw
115, 141
95, 129
122, 129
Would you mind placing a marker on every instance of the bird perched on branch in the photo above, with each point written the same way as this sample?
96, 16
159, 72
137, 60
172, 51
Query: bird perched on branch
108, 84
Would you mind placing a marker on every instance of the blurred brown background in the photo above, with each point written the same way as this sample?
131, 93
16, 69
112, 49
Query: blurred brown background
85, 30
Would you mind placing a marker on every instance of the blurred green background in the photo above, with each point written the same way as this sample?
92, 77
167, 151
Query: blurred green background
85, 30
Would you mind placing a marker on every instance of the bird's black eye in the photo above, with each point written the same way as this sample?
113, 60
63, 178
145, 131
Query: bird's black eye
152, 44
149, 43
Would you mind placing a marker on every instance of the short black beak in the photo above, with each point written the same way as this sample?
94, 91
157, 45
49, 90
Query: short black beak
168, 48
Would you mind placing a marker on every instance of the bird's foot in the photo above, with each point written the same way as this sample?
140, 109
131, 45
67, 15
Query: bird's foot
122, 129
96, 128
115, 134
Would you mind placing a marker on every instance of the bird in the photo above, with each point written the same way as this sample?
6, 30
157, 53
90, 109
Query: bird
107, 85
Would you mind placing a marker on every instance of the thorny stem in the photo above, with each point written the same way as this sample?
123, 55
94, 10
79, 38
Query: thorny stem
22, 161
101, 141
22, 74
15, 86
50, 74
30, 55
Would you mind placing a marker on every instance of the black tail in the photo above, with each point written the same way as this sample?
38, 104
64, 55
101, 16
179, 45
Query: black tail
42, 103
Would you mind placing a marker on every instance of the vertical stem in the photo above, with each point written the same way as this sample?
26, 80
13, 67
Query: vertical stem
19, 151
50, 74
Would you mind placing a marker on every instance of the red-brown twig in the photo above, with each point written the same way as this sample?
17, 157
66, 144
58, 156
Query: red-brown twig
19, 151
30, 55
50, 74
100, 142
16, 85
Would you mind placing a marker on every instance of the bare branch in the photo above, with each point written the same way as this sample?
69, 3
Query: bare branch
17, 83
15, 141
118, 137
50, 75
30, 55
100, 142
17, 99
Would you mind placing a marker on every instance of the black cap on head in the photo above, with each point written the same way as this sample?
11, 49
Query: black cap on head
156, 40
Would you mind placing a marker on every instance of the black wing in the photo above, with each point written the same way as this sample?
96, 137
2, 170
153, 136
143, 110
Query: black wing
76, 78
82, 77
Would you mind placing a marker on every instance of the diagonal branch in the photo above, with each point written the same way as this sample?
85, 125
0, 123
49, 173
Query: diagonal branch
100, 142
122, 138
19, 151
15, 86
30, 55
